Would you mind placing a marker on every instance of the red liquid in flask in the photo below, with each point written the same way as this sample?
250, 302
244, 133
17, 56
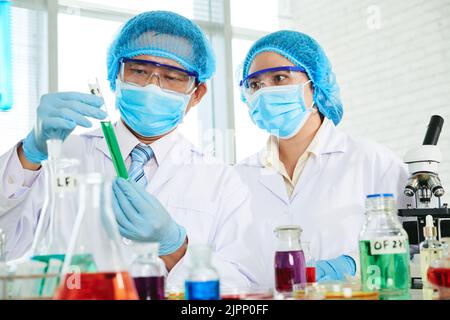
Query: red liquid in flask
97, 286
310, 274
150, 288
289, 270
439, 276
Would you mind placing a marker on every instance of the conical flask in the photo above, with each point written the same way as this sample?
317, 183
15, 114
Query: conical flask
60, 206
94, 267
57, 215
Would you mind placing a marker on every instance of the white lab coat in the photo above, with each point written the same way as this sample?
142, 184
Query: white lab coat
328, 201
204, 196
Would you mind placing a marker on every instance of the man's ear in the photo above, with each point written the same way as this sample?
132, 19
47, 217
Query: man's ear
198, 95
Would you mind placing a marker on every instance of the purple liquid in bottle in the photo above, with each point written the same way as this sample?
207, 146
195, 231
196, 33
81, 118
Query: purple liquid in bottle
150, 288
289, 270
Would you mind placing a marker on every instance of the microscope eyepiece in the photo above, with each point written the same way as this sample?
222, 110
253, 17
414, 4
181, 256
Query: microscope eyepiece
434, 130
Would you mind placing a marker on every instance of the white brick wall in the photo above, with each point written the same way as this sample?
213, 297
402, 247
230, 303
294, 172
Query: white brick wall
393, 78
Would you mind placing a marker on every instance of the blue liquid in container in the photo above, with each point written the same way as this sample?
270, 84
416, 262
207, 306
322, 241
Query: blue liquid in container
6, 94
202, 290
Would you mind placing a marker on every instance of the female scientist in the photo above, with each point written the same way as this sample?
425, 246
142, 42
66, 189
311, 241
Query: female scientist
309, 173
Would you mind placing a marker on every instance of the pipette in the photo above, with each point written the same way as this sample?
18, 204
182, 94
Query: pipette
110, 135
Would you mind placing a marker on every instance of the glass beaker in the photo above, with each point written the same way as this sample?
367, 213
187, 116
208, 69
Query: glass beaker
202, 282
57, 215
290, 272
94, 267
148, 272
384, 250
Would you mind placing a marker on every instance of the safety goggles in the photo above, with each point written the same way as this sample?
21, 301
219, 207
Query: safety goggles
278, 76
141, 72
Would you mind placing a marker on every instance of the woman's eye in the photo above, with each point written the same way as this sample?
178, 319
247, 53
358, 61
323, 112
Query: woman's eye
253, 85
279, 78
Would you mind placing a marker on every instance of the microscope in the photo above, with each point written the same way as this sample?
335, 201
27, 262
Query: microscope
425, 186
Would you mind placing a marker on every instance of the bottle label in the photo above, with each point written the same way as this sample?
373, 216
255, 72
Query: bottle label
65, 183
388, 245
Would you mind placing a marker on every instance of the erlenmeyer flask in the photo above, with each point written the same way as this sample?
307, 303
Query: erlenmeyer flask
95, 242
57, 215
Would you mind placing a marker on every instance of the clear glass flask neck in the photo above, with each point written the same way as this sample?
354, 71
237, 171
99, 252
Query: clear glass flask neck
288, 238
147, 262
200, 265
60, 206
148, 257
147, 266
381, 218
201, 261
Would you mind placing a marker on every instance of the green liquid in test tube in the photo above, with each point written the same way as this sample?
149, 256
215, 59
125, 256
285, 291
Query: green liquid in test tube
110, 135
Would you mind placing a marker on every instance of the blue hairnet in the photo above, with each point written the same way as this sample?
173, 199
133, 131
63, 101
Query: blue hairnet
305, 52
163, 34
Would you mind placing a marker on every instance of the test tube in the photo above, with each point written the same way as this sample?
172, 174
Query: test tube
110, 135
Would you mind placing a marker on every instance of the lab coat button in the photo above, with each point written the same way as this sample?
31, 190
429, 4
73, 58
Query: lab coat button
11, 180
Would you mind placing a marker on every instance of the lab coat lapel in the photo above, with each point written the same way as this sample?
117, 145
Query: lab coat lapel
178, 156
309, 175
126, 145
273, 181
332, 141
270, 178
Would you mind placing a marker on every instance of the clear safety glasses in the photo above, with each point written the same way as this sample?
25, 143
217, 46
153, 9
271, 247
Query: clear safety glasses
278, 76
141, 72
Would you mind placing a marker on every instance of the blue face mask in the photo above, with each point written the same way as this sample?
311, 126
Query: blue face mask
149, 110
280, 110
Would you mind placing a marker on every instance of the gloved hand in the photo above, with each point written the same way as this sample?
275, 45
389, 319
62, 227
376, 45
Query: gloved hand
335, 269
56, 117
141, 217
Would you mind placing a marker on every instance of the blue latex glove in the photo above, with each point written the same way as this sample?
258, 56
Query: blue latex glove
141, 217
56, 117
335, 269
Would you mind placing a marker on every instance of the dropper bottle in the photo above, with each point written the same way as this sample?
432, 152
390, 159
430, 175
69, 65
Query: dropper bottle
430, 249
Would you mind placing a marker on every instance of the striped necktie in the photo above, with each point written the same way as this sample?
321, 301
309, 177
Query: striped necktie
140, 155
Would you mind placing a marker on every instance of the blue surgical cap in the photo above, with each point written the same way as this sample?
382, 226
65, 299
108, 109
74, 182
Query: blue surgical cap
163, 34
304, 51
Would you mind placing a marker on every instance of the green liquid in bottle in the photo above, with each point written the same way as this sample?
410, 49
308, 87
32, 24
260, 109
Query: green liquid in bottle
114, 150
387, 273
85, 262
